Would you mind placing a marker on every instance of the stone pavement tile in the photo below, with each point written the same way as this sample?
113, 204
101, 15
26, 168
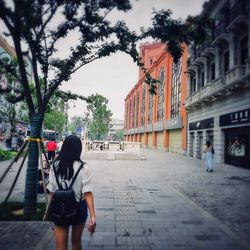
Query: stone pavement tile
128, 231
14, 235
132, 240
213, 246
170, 245
140, 207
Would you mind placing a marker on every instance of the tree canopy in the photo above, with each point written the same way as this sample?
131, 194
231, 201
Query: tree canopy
78, 122
98, 116
54, 120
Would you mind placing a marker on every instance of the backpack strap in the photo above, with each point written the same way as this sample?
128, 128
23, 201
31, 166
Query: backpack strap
77, 172
73, 180
57, 181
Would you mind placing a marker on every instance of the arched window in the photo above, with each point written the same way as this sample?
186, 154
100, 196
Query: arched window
176, 89
134, 114
161, 86
137, 110
143, 106
130, 114
150, 108
127, 115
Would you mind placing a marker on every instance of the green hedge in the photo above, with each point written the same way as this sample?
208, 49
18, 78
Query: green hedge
7, 212
6, 155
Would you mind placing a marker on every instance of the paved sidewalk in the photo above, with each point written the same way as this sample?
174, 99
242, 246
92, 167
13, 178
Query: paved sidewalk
166, 202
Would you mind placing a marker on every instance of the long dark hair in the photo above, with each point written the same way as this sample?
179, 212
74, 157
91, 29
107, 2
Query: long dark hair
71, 151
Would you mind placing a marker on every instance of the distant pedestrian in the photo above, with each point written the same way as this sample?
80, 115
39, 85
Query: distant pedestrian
67, 165
209, 151
51, 148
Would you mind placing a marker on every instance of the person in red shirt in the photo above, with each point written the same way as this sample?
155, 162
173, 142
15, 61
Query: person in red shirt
51, 148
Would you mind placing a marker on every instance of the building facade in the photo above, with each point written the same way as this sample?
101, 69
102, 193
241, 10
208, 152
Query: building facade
218, 93
115, 126
158, 121
7, 51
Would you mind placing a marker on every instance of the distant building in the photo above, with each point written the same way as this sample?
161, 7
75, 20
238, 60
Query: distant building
218, 101
158, 121
8, 51
115, 126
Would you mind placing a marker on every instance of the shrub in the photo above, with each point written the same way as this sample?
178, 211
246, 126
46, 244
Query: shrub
13, 211
6, 155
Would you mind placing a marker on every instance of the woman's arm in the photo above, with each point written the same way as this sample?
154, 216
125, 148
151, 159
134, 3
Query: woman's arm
88, 196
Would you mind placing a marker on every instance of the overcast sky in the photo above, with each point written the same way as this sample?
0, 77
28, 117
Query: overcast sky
113, 77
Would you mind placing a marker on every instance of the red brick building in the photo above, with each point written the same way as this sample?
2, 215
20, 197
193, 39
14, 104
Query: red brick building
158, 121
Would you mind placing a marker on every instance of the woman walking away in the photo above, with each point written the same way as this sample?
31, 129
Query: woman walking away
69, 174
209, 151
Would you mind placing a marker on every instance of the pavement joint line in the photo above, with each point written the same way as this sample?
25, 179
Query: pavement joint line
236, 236
49, 236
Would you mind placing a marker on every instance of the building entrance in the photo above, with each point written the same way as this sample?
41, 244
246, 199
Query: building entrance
237, 147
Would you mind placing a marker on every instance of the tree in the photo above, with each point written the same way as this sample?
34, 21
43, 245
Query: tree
119, 135
29, 25
175, 33
78, 122
54, 120
99, 116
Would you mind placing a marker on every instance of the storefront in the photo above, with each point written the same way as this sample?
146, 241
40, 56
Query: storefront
175, 141
150, 138
174, 126
199, 132
237, 139
159, 140
142, 140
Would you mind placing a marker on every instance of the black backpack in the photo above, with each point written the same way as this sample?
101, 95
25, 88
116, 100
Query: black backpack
65, 210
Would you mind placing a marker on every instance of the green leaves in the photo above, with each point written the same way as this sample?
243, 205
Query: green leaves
195, 29
54, 120
99, 116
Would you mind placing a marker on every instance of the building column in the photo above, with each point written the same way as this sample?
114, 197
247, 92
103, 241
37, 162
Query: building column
134, 138
205, 72
217, 62
232, 54
196, 144
138, 137
154, 140
248, 60
196, 79
166, 140
249, 32
189, 85
219, 142
189, 144
145, 140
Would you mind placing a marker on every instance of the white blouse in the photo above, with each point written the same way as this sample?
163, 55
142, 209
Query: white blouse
81, 184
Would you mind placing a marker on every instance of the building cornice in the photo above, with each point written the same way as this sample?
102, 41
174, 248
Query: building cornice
9, 49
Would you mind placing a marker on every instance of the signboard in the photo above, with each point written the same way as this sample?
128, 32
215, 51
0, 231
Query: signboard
79, 130
235, 118
174, 123
202, 124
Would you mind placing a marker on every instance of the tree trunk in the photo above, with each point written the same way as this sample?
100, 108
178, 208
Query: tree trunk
30, 197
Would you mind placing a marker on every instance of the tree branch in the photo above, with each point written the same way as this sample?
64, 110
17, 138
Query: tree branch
37, 82
17, 42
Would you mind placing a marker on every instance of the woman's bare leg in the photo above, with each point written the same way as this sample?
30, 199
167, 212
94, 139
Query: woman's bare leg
61, 236
77, 235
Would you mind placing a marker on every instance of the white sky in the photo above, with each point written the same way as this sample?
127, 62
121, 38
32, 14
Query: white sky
114, 76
